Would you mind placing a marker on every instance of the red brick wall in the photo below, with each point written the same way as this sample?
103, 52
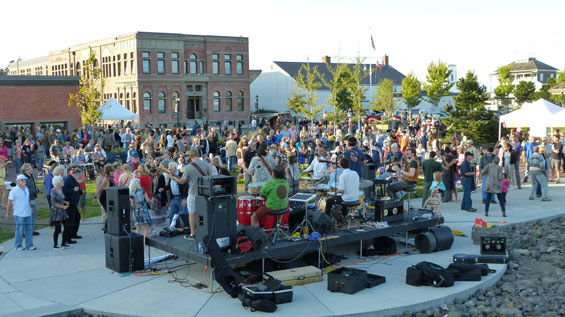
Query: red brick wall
38, 104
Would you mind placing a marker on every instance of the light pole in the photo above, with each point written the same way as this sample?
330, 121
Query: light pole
176, 102
256, 103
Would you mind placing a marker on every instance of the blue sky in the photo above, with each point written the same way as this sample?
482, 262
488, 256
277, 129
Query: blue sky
475, 35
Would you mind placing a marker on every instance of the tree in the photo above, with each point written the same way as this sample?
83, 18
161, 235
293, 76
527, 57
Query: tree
524, 91
89, 96
356, 89
296, 102
505, 86
307, 80
437, 83
411, 89
340, 97
560, 77
469, 115
383, 99
544, 93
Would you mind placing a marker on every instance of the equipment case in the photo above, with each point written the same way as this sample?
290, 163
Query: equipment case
298, 276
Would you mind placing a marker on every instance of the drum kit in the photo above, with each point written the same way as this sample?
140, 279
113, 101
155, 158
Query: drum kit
326, 192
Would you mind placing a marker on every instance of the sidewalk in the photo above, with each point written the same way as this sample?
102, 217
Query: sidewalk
35, 283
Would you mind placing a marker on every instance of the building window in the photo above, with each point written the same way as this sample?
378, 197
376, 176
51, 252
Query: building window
125, 67
175, 63
216, 101
161, 100
239, 64
146, 63
132, 67
186, 67
160, 63
215, 64
147, 102
176, 102
541, 77
193, 63
227, 63
240, 101
134, 102
201, 65
228, 101
127, 101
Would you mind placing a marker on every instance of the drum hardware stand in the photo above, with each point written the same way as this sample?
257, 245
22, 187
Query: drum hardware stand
306, 221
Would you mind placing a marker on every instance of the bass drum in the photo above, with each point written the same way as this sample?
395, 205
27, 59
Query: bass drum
322, 204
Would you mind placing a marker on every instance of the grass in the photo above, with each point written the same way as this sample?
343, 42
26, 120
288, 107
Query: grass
42, 218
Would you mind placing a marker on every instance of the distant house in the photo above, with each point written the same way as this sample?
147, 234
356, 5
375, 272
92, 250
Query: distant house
273, 87
529, 70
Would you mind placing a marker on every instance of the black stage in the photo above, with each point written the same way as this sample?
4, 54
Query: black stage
282, 249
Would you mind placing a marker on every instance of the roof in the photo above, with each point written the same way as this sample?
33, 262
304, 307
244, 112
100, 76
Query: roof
387, 71
557, 89
531, 64
39, 80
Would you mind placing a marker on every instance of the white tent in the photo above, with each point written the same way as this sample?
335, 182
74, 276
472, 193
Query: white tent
114, 111
537, 115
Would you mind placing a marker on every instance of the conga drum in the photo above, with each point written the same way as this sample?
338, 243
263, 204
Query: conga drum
246, 206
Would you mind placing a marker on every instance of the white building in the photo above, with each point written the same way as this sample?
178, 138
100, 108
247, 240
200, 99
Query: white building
273, 87
527, 70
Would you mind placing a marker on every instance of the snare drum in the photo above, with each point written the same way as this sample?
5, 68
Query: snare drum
322, 189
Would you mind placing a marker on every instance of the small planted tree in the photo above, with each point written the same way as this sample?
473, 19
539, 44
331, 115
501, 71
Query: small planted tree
356, 89
437, 83
505, 86
411, 89
307, 81
383, 99
89, 96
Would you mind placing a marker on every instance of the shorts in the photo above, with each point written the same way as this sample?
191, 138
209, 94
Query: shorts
262, 212
82, 201
190, 204
556, 164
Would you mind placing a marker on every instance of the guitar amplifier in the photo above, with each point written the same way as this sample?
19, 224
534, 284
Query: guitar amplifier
495, 245
389, 210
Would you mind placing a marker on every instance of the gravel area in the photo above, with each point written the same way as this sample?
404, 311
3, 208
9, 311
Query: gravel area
534, 282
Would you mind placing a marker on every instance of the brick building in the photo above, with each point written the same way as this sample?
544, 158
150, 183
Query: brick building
38, 100
164, 77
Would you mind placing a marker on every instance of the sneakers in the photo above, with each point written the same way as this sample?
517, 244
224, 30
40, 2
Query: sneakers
191, 237
32, 248
58, 247
531, 198
546, 199
65, 246
21, 249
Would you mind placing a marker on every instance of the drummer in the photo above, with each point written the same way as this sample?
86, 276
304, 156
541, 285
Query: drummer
348, 185
275, 192
261, 166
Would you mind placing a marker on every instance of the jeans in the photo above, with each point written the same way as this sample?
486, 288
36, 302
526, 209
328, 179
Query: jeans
23, 224
18, 162
501, 201
538, 177
232, 161
426, 192
40, 160
466, 202
33, 212
176, 208
517, 172
483, 188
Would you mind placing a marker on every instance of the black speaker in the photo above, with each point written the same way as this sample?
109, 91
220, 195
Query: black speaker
321, 222
369, 171
216, 217
118, 210
493, 245
255, 234
123, 252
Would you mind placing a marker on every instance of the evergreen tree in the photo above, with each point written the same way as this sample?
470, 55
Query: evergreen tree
437, 83
411, 89
469, 114
524, 92
89, 96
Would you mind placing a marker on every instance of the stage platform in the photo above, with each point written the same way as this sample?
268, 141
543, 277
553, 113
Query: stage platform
284, 250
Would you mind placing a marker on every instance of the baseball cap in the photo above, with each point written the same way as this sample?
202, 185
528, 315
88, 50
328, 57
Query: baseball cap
58, 130
20, 177
165, 161
273, 146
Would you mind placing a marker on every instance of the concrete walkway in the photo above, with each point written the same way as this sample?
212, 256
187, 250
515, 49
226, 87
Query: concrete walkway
47, 281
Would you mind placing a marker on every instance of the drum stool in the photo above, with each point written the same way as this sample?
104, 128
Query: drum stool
278, 230
351, 206
409, 191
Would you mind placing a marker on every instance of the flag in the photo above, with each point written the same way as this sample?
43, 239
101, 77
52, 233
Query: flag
379, 66
372, 43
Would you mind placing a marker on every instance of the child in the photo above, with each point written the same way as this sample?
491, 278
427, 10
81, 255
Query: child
435, 199
504, 185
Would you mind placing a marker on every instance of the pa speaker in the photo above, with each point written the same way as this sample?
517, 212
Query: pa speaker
118, 210
216, 217
124, 253
321, 222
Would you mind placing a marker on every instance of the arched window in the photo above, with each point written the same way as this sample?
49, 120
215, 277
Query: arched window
78, 69
161, 99
147, 102
240, 101
176, 102
228, 101
216, 101
193, 63
127, 101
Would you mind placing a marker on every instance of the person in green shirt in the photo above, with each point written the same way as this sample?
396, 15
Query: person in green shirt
430, 166
275, 192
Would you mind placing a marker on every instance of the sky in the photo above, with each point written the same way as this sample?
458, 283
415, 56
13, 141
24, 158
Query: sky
478, 35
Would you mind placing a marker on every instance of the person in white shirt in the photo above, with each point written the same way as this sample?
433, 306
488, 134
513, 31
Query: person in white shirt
19, 205
170, 140
348, 185
318, 167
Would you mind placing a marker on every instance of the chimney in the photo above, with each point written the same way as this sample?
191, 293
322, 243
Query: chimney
326, 59
385, 59
531, 59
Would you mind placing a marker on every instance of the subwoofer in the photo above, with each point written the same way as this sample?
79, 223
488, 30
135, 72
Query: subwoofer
124, 253
118, 210
216, 217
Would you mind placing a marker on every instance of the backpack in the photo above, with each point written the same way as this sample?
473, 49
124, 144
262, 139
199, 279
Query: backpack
535, 161
429, 274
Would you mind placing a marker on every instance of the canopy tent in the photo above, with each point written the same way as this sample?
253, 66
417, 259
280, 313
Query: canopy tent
537, 115
114, 111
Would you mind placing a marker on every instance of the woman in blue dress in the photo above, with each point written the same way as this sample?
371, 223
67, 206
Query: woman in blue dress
139, 200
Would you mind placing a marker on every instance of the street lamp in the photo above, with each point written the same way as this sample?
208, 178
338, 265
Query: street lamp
256, 103
176, 102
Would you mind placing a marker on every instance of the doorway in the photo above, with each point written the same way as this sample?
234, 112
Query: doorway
193, 107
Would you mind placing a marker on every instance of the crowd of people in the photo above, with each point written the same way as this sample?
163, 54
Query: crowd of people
161, 166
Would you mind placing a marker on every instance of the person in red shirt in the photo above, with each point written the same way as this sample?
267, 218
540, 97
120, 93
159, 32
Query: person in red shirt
144, 178
403, 140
